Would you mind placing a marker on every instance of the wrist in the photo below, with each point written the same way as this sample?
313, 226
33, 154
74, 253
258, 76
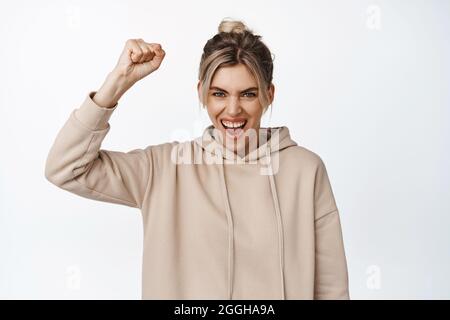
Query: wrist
119, 80
111, 91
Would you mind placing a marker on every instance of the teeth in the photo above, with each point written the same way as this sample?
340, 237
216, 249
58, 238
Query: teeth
230, 124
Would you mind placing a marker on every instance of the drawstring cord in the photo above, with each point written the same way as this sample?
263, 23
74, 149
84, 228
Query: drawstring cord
231, 227
230, 232
279, 221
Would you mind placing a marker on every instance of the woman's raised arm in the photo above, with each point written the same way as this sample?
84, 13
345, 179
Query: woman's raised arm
75, 161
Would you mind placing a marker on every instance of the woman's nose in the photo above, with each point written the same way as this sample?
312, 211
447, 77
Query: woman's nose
234, 106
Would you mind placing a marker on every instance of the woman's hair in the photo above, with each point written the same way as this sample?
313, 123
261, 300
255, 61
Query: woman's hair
236, 44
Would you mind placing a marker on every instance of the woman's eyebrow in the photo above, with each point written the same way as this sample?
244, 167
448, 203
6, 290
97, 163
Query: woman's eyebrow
217, 88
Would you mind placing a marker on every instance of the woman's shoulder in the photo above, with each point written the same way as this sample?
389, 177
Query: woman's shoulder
161, 150
162, 146
302, 155
173, 152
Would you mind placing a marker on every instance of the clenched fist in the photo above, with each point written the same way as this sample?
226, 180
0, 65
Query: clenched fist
139, 59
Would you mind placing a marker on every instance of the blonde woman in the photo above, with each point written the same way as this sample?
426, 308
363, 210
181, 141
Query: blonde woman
242, 212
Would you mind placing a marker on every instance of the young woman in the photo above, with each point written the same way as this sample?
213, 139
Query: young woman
229, 215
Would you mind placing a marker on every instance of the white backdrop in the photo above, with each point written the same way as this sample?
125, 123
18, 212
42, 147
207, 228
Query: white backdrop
364, 84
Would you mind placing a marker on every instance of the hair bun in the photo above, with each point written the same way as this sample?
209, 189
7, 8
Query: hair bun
235, 26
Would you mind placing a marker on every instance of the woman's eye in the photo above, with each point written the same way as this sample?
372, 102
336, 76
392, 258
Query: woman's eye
247, 94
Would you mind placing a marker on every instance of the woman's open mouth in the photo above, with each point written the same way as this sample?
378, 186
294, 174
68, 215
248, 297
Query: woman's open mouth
233, 129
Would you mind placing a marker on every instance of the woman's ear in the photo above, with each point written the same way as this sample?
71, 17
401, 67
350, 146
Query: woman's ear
199, 90
271, 93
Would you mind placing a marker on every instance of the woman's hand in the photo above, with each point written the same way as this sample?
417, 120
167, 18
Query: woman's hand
138, 60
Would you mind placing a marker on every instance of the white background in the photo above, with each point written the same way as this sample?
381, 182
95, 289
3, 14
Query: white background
364, 84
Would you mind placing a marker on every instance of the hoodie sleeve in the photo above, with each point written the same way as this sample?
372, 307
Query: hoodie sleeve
331, 276
77, 164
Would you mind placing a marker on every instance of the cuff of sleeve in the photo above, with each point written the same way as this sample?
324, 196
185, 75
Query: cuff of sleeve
92, 115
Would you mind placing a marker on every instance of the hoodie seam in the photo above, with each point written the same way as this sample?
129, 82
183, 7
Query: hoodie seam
326, 214
147, 166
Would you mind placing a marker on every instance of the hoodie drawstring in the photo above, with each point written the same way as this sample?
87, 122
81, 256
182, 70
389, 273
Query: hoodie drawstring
231, 227
276, 203
230, 233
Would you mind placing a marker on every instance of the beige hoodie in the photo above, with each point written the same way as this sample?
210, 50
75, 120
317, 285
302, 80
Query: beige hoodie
216, 225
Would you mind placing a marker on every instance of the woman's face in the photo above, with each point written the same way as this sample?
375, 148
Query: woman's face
232, 103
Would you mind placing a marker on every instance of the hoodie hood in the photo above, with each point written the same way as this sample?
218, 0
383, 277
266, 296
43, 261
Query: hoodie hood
272, 140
